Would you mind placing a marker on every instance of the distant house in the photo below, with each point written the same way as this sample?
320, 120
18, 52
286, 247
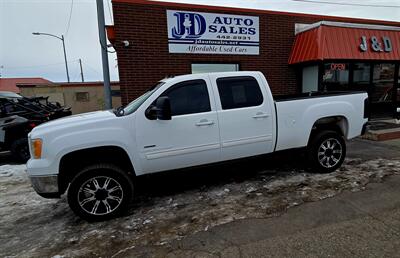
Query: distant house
10, 84
80, 96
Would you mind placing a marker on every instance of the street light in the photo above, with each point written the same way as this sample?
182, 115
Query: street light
62, 39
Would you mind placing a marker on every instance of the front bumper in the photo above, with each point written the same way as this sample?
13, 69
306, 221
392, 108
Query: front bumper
46, 186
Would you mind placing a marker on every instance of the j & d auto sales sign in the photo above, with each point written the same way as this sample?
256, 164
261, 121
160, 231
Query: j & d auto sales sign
212, 33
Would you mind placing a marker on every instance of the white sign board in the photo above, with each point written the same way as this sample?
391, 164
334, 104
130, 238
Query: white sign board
212, 33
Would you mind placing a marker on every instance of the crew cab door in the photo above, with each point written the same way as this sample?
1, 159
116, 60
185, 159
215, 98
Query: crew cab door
245, 114
190, 138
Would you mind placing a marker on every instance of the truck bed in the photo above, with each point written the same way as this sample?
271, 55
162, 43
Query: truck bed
296, 115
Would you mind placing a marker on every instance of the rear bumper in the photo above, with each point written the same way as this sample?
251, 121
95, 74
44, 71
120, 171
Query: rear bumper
46, 186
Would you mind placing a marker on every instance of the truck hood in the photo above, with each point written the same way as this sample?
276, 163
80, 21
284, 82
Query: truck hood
79, 119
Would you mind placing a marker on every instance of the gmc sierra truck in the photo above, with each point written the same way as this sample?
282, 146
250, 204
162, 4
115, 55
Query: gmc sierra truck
181, 122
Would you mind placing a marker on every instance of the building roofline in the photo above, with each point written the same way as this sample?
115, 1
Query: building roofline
236, 9
24, 78
62, 84
347, 25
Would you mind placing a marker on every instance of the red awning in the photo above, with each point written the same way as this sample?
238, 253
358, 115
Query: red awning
327, 41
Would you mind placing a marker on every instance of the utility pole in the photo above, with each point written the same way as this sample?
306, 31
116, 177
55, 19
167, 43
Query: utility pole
104, 54
80, 64
65, 57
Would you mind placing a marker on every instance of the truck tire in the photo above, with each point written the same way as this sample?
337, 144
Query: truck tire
20, 150
326, 151
100, 192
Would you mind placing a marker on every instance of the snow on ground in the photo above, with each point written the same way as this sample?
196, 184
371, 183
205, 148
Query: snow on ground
12, 170
33, 226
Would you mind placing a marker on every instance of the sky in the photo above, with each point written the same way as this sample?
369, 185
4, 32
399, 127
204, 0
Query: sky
25, 55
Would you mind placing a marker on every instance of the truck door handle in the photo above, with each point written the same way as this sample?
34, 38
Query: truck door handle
204, 122
261, 115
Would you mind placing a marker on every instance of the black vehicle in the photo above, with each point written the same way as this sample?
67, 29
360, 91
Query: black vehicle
35, 108
19, 115
14, 136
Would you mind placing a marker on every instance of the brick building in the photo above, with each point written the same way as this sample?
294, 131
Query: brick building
296, 52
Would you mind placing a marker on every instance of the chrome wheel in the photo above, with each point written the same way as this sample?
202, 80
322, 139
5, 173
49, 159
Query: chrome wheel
330, 153
100, 195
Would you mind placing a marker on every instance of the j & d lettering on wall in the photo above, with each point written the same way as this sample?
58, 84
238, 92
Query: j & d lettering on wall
383, 44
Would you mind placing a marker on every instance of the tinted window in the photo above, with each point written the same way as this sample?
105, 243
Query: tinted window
239, 92
188, 98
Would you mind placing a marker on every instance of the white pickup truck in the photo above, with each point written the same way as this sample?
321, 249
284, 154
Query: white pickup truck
181, 122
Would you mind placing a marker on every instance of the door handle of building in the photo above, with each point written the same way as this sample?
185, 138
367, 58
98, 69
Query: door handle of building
204, 122
260, 115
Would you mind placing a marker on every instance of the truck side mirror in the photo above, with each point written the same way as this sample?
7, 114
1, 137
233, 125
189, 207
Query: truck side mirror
163, 108
151, 112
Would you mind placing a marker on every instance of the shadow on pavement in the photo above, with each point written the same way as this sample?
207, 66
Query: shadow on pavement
276, 164
173, 182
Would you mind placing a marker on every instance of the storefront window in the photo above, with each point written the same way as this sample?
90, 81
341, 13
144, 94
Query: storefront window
398, 88
361, 76
335, 76
208, 68
383, 80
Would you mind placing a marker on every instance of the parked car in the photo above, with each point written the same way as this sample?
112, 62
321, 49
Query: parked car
14, 136
33, 108
19, 115
182, 122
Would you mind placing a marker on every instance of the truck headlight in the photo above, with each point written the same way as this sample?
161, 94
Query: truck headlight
36, 148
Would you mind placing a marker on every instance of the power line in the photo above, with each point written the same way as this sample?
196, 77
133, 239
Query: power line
77, 77
73, 72
91, 68
347, 4
69, 19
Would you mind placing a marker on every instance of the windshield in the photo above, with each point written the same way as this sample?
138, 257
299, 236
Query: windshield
134, 105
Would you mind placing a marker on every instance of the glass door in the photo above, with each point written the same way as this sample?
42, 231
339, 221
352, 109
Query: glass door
361, 77
381, 93
397, 95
